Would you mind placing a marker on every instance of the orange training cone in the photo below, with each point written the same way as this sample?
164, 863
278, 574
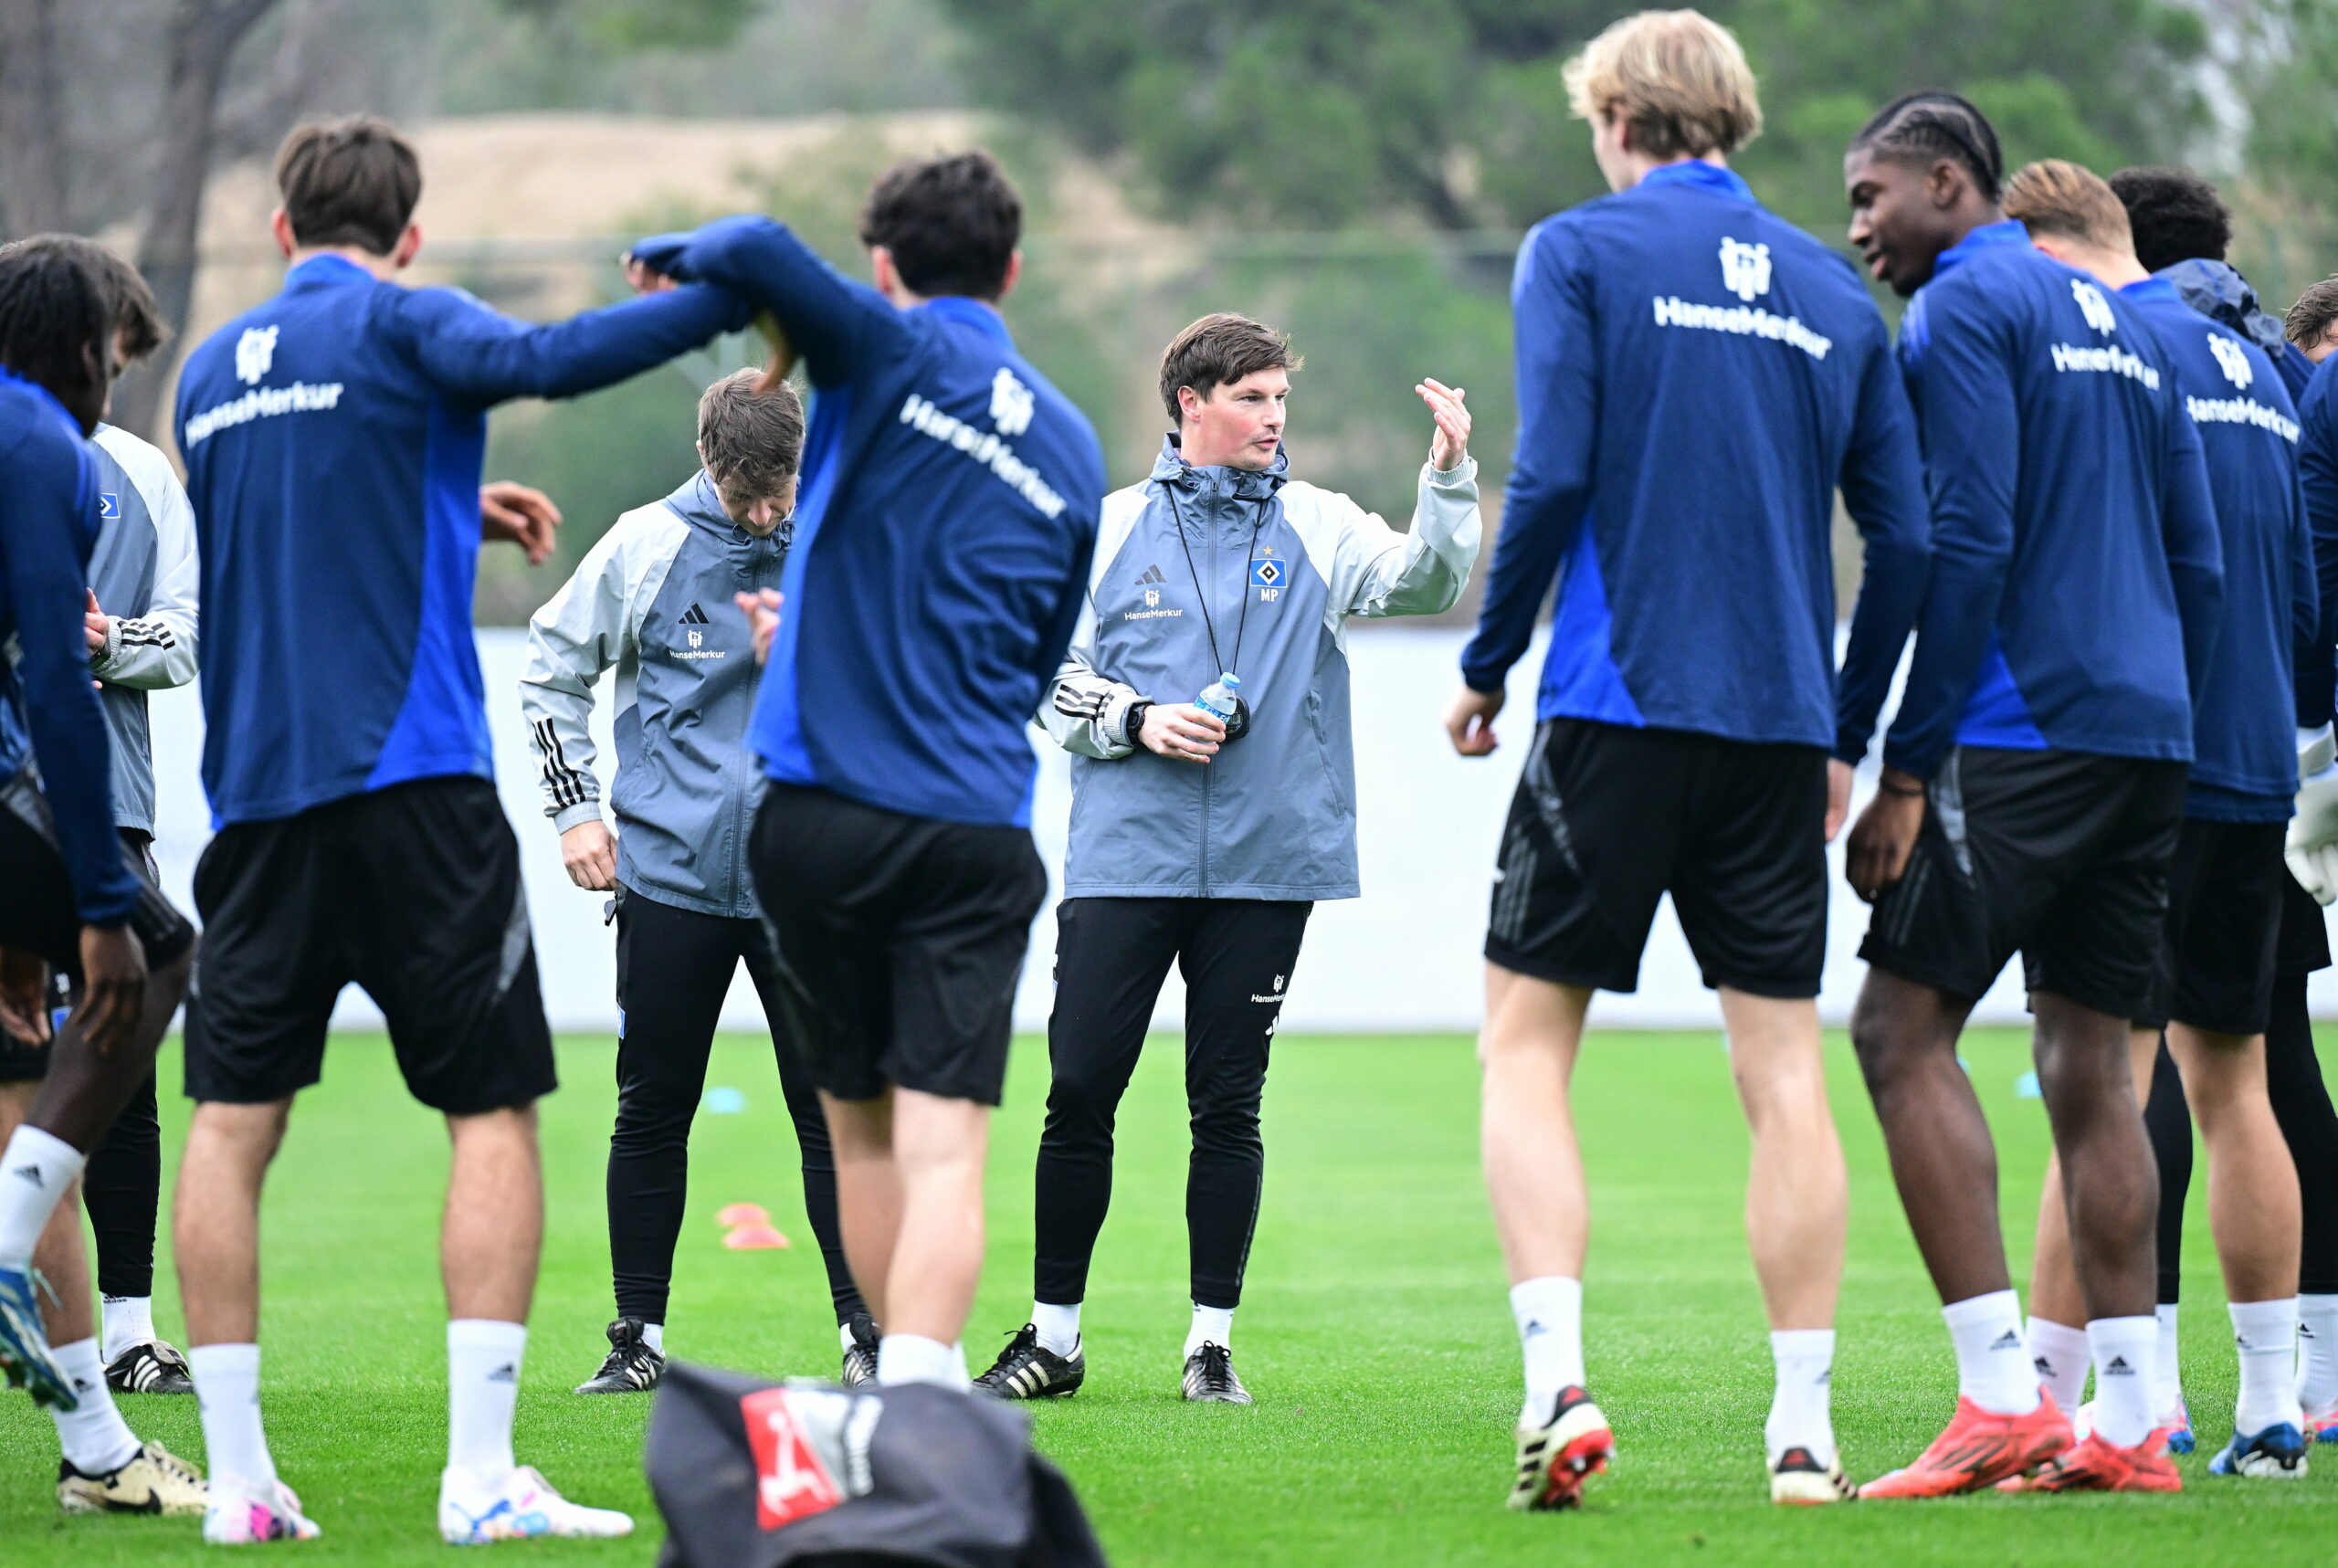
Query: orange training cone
754, 1238
744, 1214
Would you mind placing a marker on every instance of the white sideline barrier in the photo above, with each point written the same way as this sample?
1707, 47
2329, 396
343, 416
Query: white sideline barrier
1403, 957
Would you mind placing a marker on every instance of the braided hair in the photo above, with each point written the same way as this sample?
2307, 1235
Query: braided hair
1929, 125
56, 315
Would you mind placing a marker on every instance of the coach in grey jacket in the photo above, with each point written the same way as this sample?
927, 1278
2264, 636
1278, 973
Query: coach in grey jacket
1205, 844
655, 600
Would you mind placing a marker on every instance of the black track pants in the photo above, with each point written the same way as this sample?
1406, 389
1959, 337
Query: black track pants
674, 967
2300, 1103
1111, 955
122, 1187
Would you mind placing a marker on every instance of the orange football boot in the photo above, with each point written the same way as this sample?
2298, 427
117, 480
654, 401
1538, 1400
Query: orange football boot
2094, 1466
1978, 1450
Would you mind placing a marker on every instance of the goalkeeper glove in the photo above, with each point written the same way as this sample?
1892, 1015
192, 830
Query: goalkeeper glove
2312, 846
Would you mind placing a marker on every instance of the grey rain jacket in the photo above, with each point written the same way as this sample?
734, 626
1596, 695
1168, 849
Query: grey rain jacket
1280, 565
654, 599
146, 575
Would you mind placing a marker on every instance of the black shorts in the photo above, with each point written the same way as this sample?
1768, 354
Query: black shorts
1607, 819
2063, 857
2221, 942
39, 915
2304, 943
900, 940
412, 892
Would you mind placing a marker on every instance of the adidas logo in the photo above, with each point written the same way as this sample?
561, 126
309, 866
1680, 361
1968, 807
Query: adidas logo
694, 616
2008, 1340
507, 1373
2118, 1367
32, 1174
2044, 1368
1152, 574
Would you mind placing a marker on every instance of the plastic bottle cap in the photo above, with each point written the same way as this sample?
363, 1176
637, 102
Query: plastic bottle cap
1230, 681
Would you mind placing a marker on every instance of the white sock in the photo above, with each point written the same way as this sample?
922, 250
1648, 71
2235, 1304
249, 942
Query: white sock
128, 1321
1798, 1409
33, 1173
1058, 1327
1993, 1366
2167, 1376
1211, 1326
94, 1436
2124, 1351
227, 1388
2266, 1334
845, 1341
914, 1358
1548, 1314
483, 1360
653, 1336
2318, 1354
2059, 1353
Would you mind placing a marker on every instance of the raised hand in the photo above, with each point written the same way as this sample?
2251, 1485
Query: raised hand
524, 517
1450, 445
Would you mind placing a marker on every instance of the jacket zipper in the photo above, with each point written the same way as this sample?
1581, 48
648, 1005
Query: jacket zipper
1209, 553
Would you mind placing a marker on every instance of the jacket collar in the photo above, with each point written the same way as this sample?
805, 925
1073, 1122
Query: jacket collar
1702, 175
1243, 484
42, 395
327, 271
2152, 287
970, 312
2218, 291
1988, 236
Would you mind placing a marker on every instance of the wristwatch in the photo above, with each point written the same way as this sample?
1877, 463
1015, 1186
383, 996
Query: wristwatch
1132, 722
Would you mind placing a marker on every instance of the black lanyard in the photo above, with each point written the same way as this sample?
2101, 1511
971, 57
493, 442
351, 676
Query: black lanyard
1242, 622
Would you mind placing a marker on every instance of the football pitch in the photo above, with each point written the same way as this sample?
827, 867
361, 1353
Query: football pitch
1374, 1332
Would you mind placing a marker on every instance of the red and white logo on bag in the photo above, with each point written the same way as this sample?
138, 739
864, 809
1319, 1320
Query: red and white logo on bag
792, 1482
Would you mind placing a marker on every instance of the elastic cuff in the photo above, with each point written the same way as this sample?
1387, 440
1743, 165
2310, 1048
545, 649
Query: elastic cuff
569, 816
1465, 472
2316, 751
103, 659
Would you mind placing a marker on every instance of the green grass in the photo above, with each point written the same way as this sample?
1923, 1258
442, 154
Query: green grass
1376, 1334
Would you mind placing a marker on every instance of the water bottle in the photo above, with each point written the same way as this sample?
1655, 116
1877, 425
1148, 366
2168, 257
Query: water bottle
1219, 697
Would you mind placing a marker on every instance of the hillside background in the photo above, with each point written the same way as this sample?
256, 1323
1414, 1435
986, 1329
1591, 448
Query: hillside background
1355, 171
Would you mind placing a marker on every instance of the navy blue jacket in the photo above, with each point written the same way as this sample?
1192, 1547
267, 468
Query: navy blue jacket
2076, 585
49, 709
944, 521
2317, 690
2244, 767
333, 438
1695, 376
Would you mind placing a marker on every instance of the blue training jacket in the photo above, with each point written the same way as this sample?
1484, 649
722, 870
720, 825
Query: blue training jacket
2318, 476
334, 439
2244, 767
1695, 378
49, 709
944, 521
2076, 583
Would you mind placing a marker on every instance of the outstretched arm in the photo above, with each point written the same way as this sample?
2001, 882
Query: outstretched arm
483, 357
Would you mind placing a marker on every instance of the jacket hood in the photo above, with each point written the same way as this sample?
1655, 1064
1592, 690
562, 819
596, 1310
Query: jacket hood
1245, 484
698, 504
2217, 290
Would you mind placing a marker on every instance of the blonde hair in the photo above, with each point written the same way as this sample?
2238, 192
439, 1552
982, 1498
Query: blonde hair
1677, 77
2063, 200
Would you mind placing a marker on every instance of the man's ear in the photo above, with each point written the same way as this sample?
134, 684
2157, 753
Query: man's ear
1014, 273
280, 224
700, 448
1189, 404
880, 269
1946, 183
409, 245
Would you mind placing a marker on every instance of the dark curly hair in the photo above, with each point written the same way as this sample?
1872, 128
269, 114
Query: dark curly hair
2176, 213
951, 223
56, 316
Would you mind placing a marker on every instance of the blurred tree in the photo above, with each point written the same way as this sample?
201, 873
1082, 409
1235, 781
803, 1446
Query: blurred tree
205, 35
1313, 113
33, 172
